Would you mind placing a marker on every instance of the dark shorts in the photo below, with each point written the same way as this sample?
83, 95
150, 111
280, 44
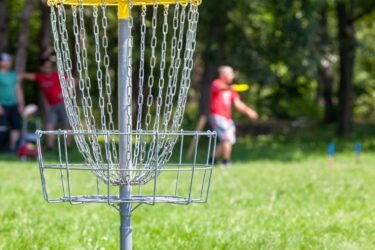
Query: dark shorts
11, 117
57, 115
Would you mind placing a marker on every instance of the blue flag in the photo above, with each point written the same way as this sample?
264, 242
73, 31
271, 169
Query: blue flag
331, 149
358, 149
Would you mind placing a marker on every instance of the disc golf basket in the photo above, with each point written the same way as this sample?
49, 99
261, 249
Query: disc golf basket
139, 161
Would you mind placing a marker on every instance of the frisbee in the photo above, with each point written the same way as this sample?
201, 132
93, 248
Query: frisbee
29, 110
240, 87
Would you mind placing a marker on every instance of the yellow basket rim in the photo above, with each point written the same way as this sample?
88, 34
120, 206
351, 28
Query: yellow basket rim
121, 2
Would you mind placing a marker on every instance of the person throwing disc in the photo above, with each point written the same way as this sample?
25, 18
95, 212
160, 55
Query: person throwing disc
49, 83
222, 98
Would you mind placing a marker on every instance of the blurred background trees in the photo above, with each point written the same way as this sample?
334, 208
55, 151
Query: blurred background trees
307, 60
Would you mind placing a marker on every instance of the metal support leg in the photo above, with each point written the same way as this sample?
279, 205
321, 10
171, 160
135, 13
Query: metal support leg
126, 229
125, 120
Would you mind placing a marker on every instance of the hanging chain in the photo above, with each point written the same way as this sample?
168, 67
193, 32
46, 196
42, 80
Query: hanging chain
85, 81
99, 77
193, 17
151, 77
107, 79
173, 82
188, 66
129, 91
81, 142
68, 86
99, 72
140, 99
87, 103
177, 63
159, 100
171, 70
171, 140
85, 86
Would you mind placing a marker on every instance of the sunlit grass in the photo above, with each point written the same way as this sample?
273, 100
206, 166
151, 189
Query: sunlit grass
262, 202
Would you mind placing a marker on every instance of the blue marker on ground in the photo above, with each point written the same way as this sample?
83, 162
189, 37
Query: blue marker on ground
331, 149
358, 150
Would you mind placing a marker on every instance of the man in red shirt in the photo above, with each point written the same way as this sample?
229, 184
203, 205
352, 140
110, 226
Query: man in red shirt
48, 81
222, 99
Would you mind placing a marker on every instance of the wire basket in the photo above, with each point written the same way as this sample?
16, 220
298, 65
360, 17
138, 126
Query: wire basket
66, 177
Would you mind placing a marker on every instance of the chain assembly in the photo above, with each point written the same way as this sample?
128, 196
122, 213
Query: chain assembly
163, 80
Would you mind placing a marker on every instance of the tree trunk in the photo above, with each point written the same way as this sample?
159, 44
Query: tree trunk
23, 39
327, 80
347, 49
45, 48
4, 25
212, 57
325, 69
208, 76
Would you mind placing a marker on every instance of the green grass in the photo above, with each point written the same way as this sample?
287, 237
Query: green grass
277, 195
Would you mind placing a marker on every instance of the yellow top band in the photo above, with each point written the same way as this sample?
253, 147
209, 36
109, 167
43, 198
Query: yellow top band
121, 2
122, 5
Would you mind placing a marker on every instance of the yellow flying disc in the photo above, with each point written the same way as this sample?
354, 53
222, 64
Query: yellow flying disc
241, 87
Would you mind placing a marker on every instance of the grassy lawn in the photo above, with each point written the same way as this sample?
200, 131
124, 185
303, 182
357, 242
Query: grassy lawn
277, 195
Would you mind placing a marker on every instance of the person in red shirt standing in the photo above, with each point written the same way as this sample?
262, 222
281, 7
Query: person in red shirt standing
222, 99
49, 83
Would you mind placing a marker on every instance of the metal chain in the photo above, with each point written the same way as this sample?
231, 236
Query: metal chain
140, 99
177, 63
188, 66
99, 77
107, 79
151, 77
193, 17
171, 70
65, 74
173, 82
99, 72
171, 140
152, 152
85, 81
129, 90
85, 86
161, 83
81, 142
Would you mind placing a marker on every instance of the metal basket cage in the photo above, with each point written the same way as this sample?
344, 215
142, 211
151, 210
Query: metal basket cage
68, 178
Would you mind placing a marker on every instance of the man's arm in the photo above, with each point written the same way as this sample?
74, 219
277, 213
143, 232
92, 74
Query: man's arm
220, 86
28, 76
243, 108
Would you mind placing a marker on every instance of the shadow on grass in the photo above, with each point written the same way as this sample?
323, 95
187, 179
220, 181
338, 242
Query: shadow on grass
295, 146
302, 143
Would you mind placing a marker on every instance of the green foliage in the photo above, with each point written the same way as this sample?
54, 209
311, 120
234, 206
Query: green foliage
274, 46
271, 44
365, 77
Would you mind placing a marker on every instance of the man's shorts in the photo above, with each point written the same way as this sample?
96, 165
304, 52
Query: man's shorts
225, 128
57, 115
11, 117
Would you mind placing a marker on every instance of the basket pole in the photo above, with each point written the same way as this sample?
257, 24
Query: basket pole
123, 122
